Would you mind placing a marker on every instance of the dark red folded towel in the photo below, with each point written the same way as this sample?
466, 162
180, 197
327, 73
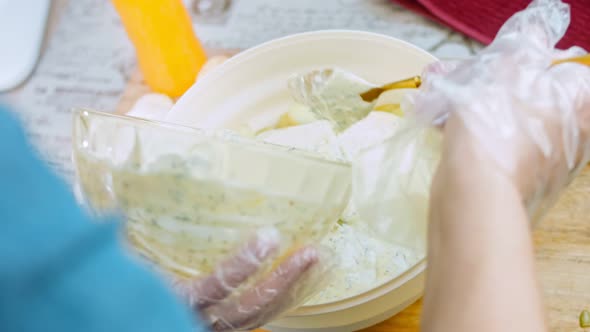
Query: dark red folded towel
481, 19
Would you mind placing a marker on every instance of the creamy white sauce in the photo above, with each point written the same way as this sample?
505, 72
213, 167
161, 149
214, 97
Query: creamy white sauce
365, 262
333, 95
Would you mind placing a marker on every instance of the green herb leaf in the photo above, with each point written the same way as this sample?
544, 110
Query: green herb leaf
585, 319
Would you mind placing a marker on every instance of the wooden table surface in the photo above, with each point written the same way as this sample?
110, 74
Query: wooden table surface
562, 242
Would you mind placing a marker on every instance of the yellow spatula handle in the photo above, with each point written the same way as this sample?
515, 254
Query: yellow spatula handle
584, 60
168, 51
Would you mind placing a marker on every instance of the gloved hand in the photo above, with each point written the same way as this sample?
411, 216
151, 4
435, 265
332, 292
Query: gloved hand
509, 105
220, 302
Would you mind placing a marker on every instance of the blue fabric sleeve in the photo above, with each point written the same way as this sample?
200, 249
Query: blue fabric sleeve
59, 271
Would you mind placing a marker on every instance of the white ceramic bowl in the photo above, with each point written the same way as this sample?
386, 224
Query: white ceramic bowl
253, 84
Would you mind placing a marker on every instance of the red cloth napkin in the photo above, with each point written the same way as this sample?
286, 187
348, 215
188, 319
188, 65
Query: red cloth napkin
481, 19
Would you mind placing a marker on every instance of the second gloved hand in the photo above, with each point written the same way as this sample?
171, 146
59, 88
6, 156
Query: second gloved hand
221, 300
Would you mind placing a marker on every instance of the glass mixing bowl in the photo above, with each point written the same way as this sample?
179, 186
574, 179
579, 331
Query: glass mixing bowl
192, 196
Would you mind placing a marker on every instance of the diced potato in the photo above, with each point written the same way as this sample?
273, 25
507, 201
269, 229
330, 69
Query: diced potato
296, 115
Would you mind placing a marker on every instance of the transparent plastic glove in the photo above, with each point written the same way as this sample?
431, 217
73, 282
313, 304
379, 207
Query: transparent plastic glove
526, 117
228, 302
391, 185
529, 118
